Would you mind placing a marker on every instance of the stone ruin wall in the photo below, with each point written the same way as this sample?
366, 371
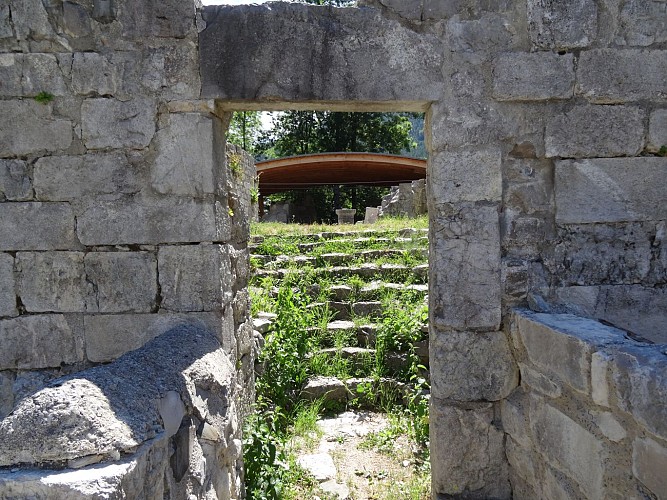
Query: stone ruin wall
544, 191
120, 221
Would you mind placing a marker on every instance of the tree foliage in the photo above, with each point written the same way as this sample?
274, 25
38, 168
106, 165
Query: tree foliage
245, 128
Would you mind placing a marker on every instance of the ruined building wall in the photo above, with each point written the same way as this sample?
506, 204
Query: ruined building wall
119, 221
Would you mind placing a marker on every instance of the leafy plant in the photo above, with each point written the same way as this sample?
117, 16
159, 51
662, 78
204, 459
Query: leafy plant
44, 97
235, 162
662, 151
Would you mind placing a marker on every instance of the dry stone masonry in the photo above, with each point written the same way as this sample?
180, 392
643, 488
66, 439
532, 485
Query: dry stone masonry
122, 218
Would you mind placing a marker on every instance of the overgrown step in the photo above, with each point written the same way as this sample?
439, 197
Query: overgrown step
369, 233
334, 390
365, 271
337, 258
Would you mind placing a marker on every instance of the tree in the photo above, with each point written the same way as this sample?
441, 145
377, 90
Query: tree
244, 129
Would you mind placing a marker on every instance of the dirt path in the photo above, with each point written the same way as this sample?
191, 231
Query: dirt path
355, 459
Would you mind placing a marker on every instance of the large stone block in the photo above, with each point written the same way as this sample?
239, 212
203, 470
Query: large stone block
642, 23
565, 24
195, 278
639, 374
7, 286
528, 185
41, 73
184, 156
53, 282
109, 336
38, 132
563, 344
474, 175
465, 250
514, 411
596, 131
15, 184
611, 76
657, 130
335, 55
31, 22
65, 178
94, 73
122, 281
108, 123
173, 71
649, 463
617, 254
472, 366
156, 18
11, 71
610, 190
570, 446
6, 393
489, 34
127, 222
533, 77
37, 226
636, 308
40, 341
467, 452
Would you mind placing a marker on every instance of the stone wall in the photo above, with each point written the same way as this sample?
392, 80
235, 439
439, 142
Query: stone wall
589, 419
119, 221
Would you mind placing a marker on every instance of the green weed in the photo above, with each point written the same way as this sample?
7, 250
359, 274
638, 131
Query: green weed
44, 97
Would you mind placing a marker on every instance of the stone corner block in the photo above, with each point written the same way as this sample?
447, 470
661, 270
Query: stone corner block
533, 76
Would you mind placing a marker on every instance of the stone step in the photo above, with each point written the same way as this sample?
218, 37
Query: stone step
368, 233
334, 258
348, 310
364, 242
365, 271
334, 390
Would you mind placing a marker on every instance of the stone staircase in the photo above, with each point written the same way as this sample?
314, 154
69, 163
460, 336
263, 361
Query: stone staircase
353, 278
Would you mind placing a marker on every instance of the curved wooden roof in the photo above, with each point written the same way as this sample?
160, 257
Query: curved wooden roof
302, 172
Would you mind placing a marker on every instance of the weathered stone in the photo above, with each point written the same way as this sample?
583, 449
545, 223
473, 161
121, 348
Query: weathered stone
576, 451
66, 178
596, 131
53, 282
194, 278
6, 30
341, 292
539, 382
173, 71
610, 76
620, 253
562, 25
122, 281
559, 486
6, 393
156, 18
110, 336
533, 77
610, 190
108, 123
649, 462
374, 309
466, 263
41, 73
184, 156
406, 64
127, 222
642, 23
76, 21
516, 422
563, 344
38, 132
112, 409
7, 286
640, 310
320, 465
472, 175
472, 366
610, 427
467, 452
522, 462
11, 71
327, 388
94, 73
31, 22
41, 341
36, 226
490, 33
640, 379
657, 130
15, 182
599, 385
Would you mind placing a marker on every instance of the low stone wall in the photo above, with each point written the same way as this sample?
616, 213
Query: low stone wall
589, 419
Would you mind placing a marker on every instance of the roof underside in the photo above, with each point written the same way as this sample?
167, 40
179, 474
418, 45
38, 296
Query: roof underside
366, 169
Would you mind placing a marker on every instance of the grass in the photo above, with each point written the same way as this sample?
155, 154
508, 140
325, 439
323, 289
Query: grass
394, 224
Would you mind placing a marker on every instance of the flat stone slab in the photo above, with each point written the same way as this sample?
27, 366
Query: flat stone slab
320, 465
